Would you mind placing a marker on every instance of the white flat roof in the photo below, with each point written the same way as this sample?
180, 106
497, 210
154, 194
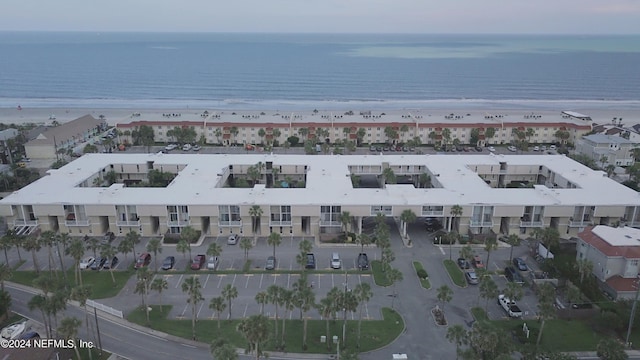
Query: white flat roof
618, 236
328, 182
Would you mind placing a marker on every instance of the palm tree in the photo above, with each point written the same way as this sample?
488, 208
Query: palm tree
93, 244
513, 240
490, 244
218, 305
274, 240
389, 176
81, 294
192, 287
287, 306
183, 247
5, 274
546, 310
131, 239
159, 284
126, 246
585, 267
488, 290
69, 331
326, 307
458, 335
47, 238
246, 244
425, 180
362, 240
261, 133
394, 276
407, 217
611, 349
445, 294
214, 249
222, 350
63, 239
39, 302
142, 288
76, 251
256, 330
603, 160
217, 133
155, 246
262, 298
274, 293
345, 220
107, 251
305, 300
234, 131
455, 212
6, 244
513, 291
229, 292
363, 294
466, 252
32, 243
17, 241
190, 235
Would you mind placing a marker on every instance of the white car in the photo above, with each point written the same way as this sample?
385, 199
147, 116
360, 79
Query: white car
336, 263
212, 264
86, 262
512, 148
491, 148
552, 147
186, 147
233, 239
196, 148
535, 148
170, 147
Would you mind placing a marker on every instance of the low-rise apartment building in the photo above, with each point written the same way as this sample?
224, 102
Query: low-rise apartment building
607, 149
300, 195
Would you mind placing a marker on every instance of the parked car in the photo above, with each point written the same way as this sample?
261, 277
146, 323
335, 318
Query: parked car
111, 264
520, 264
170, 147
143, 260
477, 262
311, 261
512, 148
196, 148
372, 148
29, 335
552, 147
108, 237
471, 277
512, 275
491, 148
212, 264
432, 224
271, 263
479, 148
186, 147
86, 262
99, 263
336, 263
543, 148
536, 148
233, 239
463, 263
168, 263
363, 261
198, 262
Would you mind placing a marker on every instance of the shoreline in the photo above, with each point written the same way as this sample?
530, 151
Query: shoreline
46, 115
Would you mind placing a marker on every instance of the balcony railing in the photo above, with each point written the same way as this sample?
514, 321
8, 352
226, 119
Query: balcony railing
331, 223
77, 222
433, 213
280, 223
234, 223
478, 223
179, 223
125, 223
579, 223
525, 224
23, 222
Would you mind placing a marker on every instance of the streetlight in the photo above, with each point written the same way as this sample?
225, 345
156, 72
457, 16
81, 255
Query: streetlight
336, 340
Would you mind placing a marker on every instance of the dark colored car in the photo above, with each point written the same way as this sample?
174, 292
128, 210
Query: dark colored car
111, 264
98, 264
29, 335
513, 275
463, 263
432, 224
363, 261
582, 306
311, 261
108, 237
520, 264
271, 263
372, 148
143, 260
168, 263
479, 148
198, 262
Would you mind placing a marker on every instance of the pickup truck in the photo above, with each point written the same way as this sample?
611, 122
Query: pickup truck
509, 306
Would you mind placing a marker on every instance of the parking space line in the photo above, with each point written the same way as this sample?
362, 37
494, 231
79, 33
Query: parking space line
198, 313
184, 310
246, 285
231, 266
179, 279
244, 315
260, 285
288, 281
219, 281
275, 278
233, 283
318, 281
366, 310
205, 282
333, 283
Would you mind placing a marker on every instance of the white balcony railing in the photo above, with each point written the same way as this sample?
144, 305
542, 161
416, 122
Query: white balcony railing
178, 223
579, 224
126, 223
477, 223
280, 223
23, 222
234, 223
433, 213
77, 222
525, 224
332, 223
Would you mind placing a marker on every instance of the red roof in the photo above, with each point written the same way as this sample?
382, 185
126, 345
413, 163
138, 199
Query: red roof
622, 284
627, 252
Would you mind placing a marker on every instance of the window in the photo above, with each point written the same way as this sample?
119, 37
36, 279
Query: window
229, 214
482, 216
330, 215
281, 214
381, 209
429, 210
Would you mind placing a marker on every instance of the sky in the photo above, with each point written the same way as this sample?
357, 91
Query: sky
325, 16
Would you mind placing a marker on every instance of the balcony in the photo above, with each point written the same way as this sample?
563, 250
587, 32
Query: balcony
478, 223
330, 223
527, 224
77, 222
579, 224
178, 223
23, 222
433, 213
280, 223
128, 223
231, 223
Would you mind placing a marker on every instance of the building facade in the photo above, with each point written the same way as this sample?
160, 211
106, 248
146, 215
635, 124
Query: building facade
607, 149
65, 136
367, 127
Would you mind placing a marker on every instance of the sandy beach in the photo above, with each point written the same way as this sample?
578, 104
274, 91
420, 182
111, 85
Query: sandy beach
115, 115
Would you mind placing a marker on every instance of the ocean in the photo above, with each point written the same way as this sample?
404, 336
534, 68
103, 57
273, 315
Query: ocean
275, 71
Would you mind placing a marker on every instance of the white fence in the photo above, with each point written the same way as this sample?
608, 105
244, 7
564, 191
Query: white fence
105, 308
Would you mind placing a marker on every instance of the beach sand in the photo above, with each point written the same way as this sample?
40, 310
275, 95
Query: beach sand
114, 115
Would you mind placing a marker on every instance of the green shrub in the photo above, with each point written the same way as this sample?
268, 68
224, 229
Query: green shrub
422, 274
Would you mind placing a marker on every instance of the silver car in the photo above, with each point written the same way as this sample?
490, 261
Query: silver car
233, 239
336, 263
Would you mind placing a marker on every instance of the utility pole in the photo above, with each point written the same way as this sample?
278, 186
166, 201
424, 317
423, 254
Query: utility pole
633, 314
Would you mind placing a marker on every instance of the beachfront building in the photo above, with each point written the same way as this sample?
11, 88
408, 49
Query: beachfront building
69, 135
615, 255
6, 156
365, 127
607, 149
298, 195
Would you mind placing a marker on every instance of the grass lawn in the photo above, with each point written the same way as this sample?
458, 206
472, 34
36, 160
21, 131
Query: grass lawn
375, 333
102, 285
378, 276
455, 273
425, 282
479, 314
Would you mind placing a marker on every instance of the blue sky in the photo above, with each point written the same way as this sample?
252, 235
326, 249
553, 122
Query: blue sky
326, 16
